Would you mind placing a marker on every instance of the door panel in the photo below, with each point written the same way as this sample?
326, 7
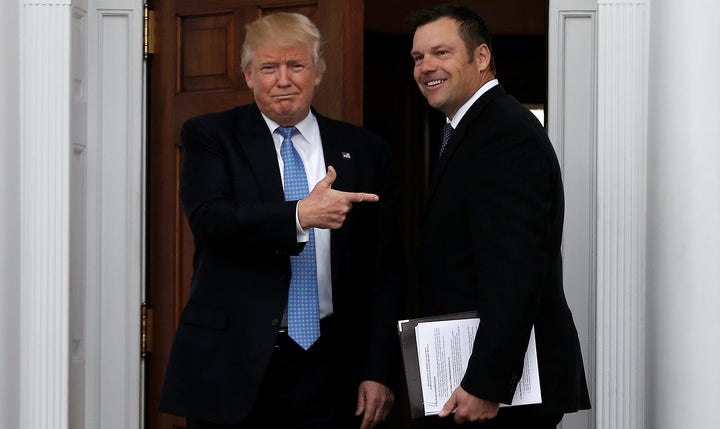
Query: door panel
207, 60
195, 70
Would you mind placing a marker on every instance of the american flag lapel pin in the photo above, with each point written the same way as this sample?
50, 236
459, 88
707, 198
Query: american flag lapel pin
346, 155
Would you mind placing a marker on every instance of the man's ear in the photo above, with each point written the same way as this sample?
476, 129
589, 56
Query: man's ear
482, 57
248, 77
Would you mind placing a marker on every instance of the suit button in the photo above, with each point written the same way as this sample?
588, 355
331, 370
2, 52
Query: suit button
276, 322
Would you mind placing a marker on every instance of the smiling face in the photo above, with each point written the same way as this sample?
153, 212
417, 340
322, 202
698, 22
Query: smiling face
283, 81
444, 72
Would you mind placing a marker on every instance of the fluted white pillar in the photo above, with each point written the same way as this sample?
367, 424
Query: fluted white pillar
44, 248
683, 375
597, 95
623, 38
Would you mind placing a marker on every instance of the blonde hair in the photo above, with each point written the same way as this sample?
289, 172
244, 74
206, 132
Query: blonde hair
282, 29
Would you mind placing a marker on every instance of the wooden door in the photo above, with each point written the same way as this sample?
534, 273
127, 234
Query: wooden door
196, 69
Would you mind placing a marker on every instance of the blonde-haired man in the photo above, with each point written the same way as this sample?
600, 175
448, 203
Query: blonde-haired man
285, 203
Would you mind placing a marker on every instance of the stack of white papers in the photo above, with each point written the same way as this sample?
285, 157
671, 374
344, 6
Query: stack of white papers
444, 348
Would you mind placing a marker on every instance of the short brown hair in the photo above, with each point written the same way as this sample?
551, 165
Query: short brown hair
472, 28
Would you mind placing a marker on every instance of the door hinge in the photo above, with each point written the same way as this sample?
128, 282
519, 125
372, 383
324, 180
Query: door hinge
148, 31
146, 330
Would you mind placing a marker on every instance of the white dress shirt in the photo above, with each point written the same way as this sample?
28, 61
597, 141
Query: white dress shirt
465, 107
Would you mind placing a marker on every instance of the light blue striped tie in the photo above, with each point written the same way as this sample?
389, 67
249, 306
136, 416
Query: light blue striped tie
303, 307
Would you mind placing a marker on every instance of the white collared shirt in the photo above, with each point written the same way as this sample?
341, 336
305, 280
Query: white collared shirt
308, 145
465, 107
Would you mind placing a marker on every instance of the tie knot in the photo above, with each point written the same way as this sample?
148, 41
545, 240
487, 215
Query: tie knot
286, 132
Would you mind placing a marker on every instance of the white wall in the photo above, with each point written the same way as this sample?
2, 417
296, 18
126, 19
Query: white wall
9, 217
683, 268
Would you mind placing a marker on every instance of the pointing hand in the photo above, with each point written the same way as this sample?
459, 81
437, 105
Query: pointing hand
326, 207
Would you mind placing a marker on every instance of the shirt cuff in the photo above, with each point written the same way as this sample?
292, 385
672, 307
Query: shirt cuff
303, 235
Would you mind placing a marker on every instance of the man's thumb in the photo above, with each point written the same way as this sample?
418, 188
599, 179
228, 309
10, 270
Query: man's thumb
329, 178
360, 404
449, 406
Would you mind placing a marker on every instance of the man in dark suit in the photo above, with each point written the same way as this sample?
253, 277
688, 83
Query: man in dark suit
236, 361
492, 230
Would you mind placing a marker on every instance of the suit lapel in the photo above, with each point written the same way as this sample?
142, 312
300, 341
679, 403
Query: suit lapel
458, 137
253, 136
340, 153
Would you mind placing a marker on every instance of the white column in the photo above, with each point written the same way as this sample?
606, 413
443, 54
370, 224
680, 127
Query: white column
623, 38
683, 329
597, 97
9, 217
44, 163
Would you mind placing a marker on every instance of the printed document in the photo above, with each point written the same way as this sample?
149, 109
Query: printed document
443, 351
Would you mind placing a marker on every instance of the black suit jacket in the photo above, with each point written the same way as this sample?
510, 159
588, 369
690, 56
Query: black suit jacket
490, 241
244, 234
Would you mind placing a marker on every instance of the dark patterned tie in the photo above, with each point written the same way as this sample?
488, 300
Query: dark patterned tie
303, 307
447, 133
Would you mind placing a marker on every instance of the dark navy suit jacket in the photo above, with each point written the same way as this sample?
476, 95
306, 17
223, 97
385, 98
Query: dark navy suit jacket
490, 241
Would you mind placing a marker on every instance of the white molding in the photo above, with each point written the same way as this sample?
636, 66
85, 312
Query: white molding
571, 120
622, 168
115, 209
107, 208
119, 265
78, 221
44, 208
10, 215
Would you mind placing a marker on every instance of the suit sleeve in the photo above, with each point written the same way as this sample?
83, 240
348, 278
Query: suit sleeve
220, 196
511, 211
